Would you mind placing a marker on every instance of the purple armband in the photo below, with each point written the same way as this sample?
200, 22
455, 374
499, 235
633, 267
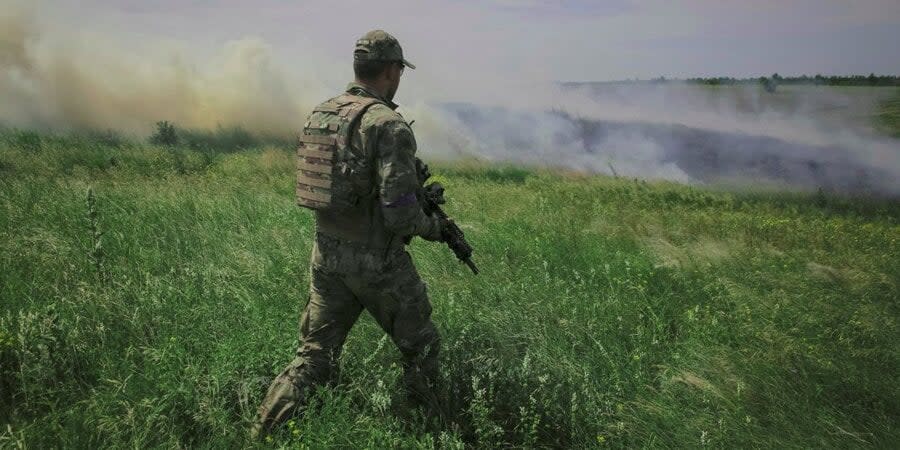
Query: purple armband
405, 200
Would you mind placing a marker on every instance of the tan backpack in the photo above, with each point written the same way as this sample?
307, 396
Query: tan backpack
330, 175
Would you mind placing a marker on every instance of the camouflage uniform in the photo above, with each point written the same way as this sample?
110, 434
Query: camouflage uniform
359, 261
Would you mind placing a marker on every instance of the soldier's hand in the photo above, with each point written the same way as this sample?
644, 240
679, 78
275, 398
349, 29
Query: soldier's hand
446, 226
435, 231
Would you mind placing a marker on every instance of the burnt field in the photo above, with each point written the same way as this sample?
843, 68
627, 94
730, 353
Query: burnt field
717, 157
701, 135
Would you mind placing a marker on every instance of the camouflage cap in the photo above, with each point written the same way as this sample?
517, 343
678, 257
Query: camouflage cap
380, 46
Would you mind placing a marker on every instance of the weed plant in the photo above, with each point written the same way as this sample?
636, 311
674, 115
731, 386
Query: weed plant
149, 294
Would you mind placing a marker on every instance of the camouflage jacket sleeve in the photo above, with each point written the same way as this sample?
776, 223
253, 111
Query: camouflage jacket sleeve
398, 182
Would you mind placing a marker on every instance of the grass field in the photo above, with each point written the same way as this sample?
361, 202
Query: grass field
887, 118
148, 296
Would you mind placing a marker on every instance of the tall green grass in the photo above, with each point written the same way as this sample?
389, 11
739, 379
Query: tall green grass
609, 312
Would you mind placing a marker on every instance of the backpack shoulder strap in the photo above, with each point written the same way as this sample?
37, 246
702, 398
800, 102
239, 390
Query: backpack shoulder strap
352, 110
355, 106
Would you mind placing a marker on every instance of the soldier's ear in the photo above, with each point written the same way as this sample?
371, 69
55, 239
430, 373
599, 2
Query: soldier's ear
393, 71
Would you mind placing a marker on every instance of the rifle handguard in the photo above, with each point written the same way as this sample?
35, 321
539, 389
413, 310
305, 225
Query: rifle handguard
432, 199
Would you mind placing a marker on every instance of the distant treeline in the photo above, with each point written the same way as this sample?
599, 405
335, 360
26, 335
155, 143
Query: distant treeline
770, 81
816, 80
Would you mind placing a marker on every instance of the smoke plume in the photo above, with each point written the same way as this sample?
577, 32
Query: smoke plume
803, 137
53, 76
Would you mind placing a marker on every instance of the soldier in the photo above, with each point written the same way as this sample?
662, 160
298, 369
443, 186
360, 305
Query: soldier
357, 170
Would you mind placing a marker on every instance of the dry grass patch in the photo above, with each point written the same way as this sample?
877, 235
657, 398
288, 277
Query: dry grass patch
697, 253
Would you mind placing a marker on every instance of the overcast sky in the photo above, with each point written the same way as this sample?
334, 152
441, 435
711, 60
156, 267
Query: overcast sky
540, 39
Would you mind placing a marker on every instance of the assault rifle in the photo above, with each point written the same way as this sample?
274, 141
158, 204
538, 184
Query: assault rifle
431, 197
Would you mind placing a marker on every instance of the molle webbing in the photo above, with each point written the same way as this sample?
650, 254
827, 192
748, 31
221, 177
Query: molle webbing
323, 177
314, 170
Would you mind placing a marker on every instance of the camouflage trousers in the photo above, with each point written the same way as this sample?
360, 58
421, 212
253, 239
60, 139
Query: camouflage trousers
345, 279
